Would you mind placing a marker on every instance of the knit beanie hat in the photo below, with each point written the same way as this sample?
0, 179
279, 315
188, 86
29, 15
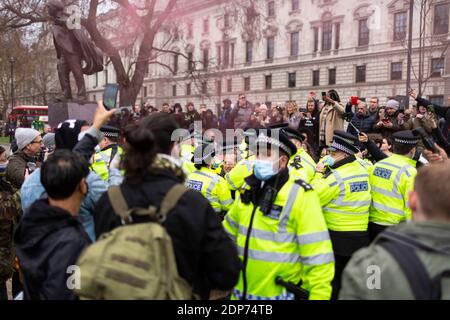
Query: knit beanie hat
393, 104
24, 136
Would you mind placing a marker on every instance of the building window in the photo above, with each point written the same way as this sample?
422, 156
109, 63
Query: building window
437, 100
337, 36
360, 74
316, 78
363, 39
268, 82
205, 58
219, 55
226, 54
190, 56
327, 34
270, 48
232, 54
437, 65
295, 5
206, 26
441, 18
316, 39
292, 79
229, 85
190, 30
96, 81
226, 20
294, 44
145, 91
204, 88
400, 20
219, 87
175, 63
248, 52
332, 76
247, 84
174, 90
271, 9
396, 70
188, 89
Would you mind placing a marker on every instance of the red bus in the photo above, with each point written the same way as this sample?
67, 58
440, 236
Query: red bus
23, 116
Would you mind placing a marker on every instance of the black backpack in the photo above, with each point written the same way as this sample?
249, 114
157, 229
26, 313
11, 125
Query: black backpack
403, 249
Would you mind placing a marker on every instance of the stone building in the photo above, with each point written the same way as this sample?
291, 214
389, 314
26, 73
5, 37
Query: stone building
284, 49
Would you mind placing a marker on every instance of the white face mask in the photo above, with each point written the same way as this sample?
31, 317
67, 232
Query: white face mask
81, 135
97, 148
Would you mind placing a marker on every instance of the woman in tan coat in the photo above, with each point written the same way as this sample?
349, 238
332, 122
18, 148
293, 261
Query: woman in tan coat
330, 117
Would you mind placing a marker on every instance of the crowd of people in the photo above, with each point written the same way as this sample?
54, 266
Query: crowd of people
300, 204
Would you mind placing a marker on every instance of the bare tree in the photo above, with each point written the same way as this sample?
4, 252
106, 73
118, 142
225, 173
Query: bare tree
428, 43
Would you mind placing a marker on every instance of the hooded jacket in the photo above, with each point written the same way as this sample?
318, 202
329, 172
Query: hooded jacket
48, 240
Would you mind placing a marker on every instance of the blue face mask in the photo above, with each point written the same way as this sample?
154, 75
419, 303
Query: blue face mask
264, 170
329, 161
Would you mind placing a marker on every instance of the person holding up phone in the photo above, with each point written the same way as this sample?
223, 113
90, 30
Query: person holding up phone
388, 123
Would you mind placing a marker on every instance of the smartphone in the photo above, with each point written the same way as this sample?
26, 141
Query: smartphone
110, 96
385, 120
324, 94
354, 101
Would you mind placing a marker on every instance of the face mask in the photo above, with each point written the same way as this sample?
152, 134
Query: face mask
264, 170
81, 135
97, 149
329, 161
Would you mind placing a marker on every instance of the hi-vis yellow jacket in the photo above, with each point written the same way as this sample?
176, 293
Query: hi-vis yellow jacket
302, 166
345, 196
391, 179
292, 242
213, 187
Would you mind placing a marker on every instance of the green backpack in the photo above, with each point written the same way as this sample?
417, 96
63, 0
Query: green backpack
135, 261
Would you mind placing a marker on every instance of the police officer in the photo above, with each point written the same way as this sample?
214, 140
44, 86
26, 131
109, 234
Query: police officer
392, 179
279, 229
302, 165
205, 180
109, 148
244, 167
342, 183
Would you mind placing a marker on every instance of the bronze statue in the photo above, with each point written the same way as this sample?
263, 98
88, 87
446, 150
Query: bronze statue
76, 53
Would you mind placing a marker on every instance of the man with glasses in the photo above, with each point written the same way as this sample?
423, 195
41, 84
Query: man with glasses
29, 143
242, 112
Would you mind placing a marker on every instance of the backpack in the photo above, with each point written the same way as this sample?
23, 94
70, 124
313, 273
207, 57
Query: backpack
134, 261
9, 212
403, 249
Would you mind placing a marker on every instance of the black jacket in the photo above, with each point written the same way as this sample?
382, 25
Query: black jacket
206, 257
48, 240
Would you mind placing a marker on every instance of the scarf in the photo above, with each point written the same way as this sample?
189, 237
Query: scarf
166, 162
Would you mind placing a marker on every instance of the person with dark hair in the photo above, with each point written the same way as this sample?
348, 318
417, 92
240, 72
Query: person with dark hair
392, 180
330, 117
310, 122
412, 258
206, 257
209, 120
178, 114
50, 238
67, 137
191, 115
